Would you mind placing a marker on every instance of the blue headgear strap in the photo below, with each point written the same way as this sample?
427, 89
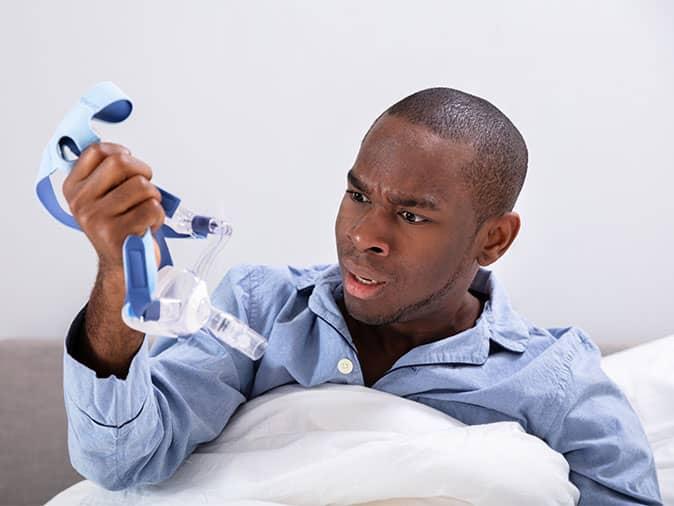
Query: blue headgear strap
105, 102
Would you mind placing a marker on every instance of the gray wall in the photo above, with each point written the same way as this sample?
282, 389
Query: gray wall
256, 110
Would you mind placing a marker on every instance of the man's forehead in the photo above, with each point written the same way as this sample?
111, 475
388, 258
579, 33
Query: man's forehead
411, 160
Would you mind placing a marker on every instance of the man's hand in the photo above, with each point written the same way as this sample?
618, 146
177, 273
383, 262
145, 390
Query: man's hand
110, 195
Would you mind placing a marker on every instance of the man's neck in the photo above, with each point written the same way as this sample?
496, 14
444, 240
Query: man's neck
398, 338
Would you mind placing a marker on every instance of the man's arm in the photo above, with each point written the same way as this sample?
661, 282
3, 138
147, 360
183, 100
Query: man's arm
601, 437
133, 416
111, 197
139, 429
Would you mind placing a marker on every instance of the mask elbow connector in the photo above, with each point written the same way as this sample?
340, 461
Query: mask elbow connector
235, 333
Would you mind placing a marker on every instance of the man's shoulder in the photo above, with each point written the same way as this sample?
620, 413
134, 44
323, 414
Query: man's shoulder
571, 335
558, 366
568, 357
280, 276
270, 285
257, 293
561, 344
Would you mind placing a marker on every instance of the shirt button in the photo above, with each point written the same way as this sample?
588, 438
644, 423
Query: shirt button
345, 366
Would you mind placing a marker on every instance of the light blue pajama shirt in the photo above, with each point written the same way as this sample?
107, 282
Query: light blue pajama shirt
180, 393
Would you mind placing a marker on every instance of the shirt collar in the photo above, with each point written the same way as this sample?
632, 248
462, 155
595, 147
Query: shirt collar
498, 321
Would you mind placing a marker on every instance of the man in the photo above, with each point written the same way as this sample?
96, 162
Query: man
409, 310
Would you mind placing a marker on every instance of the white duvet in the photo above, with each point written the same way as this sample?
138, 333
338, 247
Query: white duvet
350, 445
339, 445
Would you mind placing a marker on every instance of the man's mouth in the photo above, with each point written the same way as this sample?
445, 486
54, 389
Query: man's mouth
365, 281
362, 287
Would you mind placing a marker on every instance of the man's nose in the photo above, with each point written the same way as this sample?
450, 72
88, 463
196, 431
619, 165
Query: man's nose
369, 233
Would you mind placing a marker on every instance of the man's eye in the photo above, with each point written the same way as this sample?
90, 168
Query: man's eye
357, 196
411, 217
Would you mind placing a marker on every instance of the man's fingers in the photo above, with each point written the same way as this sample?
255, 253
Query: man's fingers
148, 214
88, 161
127, 195
111, 172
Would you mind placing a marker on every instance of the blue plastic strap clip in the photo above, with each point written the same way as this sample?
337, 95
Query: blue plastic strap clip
138, 268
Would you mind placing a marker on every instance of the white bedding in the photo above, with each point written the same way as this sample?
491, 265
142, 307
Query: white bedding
339, 445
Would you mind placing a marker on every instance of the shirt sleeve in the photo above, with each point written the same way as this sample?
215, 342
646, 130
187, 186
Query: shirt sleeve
601, 437
138, 430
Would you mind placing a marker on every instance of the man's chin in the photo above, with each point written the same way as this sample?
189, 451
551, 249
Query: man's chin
362, 315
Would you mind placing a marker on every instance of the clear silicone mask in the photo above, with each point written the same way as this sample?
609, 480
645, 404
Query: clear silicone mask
181, 303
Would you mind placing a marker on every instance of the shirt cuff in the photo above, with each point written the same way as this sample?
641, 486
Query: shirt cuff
110, 401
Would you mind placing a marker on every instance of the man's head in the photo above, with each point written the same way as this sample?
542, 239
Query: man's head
429, 199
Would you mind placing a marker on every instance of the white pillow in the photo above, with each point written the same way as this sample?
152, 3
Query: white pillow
646, 375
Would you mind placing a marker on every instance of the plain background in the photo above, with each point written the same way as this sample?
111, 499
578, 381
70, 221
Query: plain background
255, 110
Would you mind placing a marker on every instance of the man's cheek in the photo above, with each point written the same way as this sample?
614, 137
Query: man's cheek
339, 227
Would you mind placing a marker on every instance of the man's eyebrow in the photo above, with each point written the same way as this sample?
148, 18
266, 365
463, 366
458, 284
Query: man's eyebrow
353, 179
398, 199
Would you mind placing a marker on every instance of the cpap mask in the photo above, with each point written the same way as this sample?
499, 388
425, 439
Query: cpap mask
168, 302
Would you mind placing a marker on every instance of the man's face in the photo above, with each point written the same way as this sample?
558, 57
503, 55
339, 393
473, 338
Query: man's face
407, 223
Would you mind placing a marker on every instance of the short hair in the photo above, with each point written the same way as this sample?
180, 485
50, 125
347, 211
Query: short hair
496, 174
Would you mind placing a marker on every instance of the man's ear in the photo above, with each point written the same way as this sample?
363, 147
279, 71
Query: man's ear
495, 237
